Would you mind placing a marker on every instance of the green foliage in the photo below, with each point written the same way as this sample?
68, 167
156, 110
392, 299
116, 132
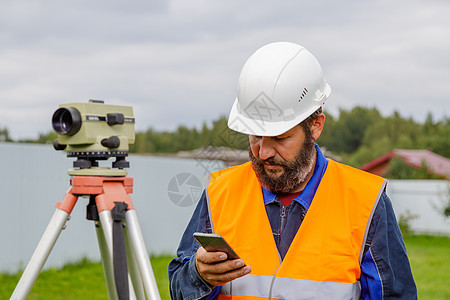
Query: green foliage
384, 135
395, 132
399, 131
362, 134
4, 135
442, 205
184, 139
345, 135
404, 223
436, 136
48, 138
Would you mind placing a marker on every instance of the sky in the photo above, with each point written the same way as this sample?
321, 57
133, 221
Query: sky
178, 62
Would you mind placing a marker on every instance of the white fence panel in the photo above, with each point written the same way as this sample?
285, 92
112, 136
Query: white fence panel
424, 200
33, 178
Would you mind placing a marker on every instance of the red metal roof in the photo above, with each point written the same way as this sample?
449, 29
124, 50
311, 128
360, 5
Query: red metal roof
435, 163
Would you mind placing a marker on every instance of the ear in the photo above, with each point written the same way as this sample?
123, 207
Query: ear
317, 126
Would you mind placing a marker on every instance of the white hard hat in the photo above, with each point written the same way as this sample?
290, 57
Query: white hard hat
280, 85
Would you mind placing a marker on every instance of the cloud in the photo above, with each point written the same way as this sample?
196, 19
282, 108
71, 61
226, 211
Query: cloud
178, 62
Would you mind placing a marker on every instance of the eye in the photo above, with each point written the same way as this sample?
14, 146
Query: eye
280, 138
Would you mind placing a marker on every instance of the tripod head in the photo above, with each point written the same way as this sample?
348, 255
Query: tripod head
94, 131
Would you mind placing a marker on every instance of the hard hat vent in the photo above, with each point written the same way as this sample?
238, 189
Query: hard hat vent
304, 92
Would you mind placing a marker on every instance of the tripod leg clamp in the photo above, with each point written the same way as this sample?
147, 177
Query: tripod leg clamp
119, 251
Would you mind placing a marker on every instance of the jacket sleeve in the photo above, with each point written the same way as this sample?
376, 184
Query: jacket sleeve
385, 269
184, 280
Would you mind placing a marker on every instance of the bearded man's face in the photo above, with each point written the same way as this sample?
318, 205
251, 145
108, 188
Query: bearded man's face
283, 162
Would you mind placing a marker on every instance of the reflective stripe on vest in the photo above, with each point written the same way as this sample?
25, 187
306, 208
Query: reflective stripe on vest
326, 252
289, 288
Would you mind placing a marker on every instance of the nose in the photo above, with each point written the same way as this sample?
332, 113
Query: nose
266, 148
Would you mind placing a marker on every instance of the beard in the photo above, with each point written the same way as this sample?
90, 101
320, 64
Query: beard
294, 172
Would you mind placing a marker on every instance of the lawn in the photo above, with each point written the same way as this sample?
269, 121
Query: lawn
429, 256
430, 262
81, 280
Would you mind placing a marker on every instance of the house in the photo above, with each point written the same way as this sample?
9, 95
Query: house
435, 163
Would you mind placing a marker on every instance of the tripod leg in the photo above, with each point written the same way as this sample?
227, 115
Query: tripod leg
40, 254
142, 255
114, 192
104, 236
133, 268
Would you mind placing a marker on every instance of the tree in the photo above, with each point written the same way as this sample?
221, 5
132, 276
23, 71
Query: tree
4, 135
47, 138
223, 136
384, 135
435, 136
346, 134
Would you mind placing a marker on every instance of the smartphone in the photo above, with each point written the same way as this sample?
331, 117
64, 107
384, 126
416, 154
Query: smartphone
215, 242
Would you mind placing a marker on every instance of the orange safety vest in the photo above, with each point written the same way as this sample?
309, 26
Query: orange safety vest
323, 261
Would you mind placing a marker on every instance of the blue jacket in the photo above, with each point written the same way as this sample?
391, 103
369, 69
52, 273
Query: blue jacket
385, 269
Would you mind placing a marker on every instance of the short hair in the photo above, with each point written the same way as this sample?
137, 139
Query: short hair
306, 124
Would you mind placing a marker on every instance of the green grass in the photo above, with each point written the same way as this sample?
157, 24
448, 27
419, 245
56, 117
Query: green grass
429, 257
430, 263
81, 280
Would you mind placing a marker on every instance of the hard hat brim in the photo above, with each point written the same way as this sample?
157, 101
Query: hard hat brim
265, 126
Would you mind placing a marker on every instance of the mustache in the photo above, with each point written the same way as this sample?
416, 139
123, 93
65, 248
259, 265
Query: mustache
288, 167
271, 160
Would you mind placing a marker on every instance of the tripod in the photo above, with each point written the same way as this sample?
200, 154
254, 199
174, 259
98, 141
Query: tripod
108, 198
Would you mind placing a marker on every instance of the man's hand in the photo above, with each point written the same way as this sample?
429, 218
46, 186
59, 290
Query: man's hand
216, 270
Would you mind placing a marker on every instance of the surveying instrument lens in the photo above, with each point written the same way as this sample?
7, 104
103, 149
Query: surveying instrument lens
94, 131
66, 121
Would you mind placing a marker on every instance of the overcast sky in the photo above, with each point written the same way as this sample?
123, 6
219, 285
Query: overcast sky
178, 62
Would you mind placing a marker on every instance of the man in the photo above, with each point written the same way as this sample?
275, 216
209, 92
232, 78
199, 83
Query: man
304, 227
